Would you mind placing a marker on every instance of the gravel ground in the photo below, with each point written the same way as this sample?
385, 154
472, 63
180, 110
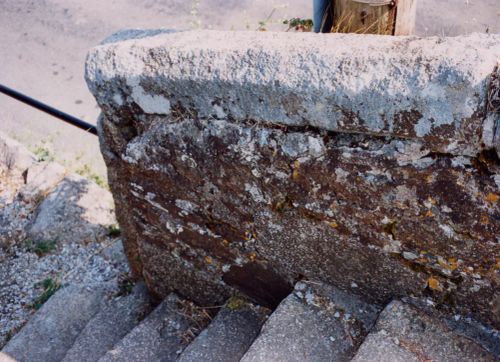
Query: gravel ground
22, 273
24, 266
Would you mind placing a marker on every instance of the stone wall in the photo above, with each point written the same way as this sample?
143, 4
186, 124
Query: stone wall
247, 161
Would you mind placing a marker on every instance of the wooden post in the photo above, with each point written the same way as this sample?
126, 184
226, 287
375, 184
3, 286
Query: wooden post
385, 17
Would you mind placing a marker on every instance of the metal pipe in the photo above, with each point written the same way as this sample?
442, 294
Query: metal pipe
48, 109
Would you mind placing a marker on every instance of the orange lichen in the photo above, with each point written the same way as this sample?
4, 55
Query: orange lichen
252, 256
333, 224
295, 168
451, 264
434, 284
429, 214
492, 198
208, 260
485, 220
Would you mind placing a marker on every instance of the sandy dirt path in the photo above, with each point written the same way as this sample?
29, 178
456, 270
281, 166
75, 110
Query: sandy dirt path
44, 44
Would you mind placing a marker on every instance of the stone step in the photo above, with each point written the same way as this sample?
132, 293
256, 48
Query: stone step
110, 325
161, 336
229, 335
55, 327
315, 323
405, 334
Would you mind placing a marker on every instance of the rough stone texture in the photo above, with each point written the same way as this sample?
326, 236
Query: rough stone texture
110, 325
14, 157
51, 332
380, 85
228, 336
77, 210
379, 348
161, 336
26, 190
484, 335
250, 160
402, 333
41, 178
315, 323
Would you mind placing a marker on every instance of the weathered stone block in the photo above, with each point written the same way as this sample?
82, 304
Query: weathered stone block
403, 333
250, 160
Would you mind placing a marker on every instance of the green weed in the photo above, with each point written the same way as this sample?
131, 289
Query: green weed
50, 287
42, 247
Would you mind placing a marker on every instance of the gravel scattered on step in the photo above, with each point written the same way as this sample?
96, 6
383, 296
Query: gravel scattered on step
21, 271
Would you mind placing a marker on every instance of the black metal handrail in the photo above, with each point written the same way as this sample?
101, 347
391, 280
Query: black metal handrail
90, 128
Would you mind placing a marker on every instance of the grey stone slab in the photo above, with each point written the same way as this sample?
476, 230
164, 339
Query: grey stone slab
54, 328
404, 333
228, 337
396, 85
483, 334
378, 348
41, 177
110, 325
161, 336
77, 210
315, 323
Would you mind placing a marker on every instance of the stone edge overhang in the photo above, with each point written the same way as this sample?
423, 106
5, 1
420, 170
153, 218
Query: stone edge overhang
430, 89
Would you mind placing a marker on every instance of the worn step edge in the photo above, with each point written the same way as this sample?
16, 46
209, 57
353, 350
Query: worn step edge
316, 322
404, 333
162, 335
54, 328
110, 325
229, 335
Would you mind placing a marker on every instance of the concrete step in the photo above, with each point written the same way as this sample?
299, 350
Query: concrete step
229, 335
55, 327
161, 336
405, 334
315, 323
110, 325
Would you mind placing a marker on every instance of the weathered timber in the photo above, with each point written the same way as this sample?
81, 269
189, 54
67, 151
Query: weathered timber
383, 17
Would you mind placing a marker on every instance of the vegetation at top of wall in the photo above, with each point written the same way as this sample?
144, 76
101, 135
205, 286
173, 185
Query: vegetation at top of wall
298, 24
86, 171
42, 154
